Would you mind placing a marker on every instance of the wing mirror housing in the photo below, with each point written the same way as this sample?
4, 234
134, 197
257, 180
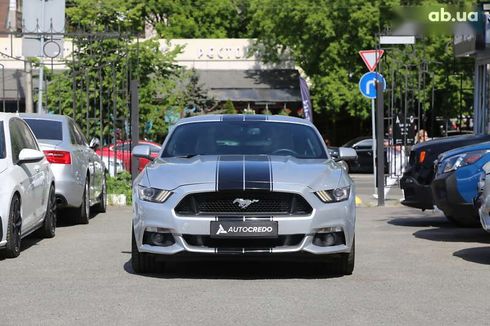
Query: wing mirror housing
347, 154
142, 151
30, 156
94, 143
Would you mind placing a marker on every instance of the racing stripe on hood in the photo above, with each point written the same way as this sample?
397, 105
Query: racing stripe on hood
258, 172
243, 172
230, 173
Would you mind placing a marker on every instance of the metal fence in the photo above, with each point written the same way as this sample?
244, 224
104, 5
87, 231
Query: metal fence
88, 80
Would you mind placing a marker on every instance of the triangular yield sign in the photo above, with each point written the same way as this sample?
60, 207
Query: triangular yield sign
371, 58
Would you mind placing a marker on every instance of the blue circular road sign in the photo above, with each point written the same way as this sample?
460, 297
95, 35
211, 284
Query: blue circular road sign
367, 84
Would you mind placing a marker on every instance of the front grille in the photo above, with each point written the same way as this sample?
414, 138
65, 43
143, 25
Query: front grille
257, 243
227, 203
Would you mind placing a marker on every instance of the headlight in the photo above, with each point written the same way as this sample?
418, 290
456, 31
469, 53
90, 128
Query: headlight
455, 162
334, 195
153, 195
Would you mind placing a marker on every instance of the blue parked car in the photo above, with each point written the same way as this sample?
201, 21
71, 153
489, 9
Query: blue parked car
455, 186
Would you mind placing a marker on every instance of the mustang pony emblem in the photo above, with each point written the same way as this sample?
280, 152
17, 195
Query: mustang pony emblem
244, 203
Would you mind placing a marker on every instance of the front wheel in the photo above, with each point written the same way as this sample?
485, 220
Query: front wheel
49, 225
464, 221
345, 264
12, 249
140, 261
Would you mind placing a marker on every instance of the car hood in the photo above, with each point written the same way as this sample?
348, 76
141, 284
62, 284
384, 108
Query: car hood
460, 150
233, 172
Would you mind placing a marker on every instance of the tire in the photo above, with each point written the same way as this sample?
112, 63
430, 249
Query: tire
48, 229
82, 214
464, 222
141, 262
14, 228
101, 206
345, 264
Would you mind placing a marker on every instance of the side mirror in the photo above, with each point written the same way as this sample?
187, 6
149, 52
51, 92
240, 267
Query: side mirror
30, 156
94, 143
347, 154
143, 151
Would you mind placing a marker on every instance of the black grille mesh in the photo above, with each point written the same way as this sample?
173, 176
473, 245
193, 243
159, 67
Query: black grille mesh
225, 203
207, 241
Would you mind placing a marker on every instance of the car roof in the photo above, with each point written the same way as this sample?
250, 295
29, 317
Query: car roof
219, 117
45, 116
7, 116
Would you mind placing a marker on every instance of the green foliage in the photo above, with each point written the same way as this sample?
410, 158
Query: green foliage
120, 185
195, 95
198, 18
229, 108
97, 82
324, 38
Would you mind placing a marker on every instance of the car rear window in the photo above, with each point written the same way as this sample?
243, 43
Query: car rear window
3, 154
46, 129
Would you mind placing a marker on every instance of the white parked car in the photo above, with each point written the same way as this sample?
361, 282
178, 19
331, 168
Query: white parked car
27, 194
79, 172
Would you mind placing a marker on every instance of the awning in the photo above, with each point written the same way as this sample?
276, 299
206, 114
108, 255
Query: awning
280, 85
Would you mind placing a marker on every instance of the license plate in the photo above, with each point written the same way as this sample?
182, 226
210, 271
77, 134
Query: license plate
244, 229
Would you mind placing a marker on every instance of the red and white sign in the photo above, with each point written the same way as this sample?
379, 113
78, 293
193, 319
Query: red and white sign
371, 58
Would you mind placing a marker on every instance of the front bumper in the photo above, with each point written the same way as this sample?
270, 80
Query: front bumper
448, 199
416, 195
153, 215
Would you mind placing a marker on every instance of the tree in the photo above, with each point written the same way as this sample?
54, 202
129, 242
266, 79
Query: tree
324, 38
229, 108
196, 96
102, 64
198, 18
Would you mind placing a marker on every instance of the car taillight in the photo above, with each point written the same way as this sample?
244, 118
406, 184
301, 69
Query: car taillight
58, 157
422, 157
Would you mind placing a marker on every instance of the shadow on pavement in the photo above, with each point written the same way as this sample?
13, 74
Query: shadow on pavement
249, 270
447, 234
421, 221
479, 255
65, 218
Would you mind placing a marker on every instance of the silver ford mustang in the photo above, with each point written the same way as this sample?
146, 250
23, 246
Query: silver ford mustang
243, 185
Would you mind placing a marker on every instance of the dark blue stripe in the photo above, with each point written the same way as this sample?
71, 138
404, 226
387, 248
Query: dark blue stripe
232, 117
230, 173
257, 172
255, 117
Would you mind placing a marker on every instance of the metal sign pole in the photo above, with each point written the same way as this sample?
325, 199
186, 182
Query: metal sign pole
380, 143
41, 67
373, 118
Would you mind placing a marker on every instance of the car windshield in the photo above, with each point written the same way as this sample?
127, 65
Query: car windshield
3, 154
46, 129
245, 138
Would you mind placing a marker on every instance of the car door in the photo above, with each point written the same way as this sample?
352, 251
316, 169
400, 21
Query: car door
91, 160
29, 175
364, 149
79, 161
41, 169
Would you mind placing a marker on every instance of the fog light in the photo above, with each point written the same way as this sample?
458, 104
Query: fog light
324, 239
158, 239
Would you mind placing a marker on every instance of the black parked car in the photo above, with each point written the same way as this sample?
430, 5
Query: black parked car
364, 148
419, 172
